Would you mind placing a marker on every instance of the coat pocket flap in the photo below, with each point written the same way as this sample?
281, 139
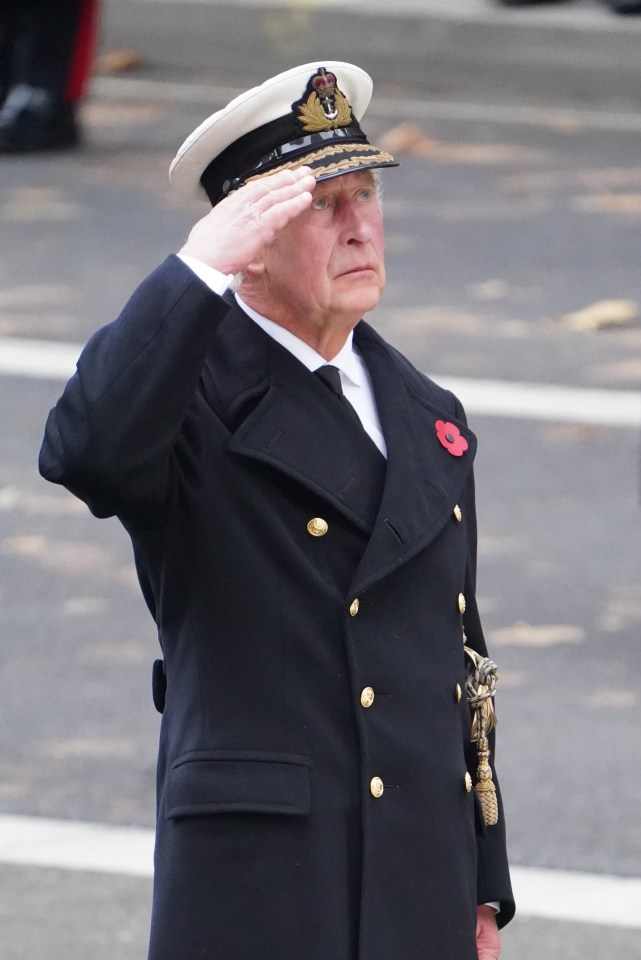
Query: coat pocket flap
223, 781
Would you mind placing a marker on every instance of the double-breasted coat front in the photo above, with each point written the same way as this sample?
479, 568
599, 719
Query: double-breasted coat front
312, 792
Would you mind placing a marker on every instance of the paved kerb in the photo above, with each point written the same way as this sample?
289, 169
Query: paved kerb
568, 53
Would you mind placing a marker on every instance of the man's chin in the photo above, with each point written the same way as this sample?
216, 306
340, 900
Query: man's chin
367, 301
362, 297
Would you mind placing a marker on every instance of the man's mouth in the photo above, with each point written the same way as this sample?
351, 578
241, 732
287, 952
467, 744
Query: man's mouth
363, 268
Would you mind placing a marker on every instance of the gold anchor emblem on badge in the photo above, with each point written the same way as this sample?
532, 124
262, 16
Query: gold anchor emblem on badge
326, 107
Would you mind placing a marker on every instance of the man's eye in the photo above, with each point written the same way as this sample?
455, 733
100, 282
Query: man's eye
321, 203
364, 195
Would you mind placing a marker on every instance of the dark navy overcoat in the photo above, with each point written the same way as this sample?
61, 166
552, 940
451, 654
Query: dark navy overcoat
215, 447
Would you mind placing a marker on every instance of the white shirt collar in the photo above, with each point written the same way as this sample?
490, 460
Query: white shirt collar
355, 379
346, 360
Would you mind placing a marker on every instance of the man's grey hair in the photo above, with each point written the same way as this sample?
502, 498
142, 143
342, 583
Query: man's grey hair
378, 183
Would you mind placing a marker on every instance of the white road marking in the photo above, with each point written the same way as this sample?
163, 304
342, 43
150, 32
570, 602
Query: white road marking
52, 360
578, 897
103, 848
129, 88
76, 845
43, 359
543, 401
550, 118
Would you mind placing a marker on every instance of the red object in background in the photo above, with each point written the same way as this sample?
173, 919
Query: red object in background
83, 52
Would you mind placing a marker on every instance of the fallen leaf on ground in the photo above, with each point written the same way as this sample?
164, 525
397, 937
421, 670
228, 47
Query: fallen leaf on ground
409, 138
524, 634
118, 61
610, 203
603, 313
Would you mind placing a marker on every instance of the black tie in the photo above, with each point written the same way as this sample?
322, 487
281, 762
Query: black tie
332, 379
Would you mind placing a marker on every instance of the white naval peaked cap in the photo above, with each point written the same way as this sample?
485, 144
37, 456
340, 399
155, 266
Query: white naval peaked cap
308, 116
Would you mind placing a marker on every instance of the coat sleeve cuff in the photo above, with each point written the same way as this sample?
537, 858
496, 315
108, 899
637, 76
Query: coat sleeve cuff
215, 280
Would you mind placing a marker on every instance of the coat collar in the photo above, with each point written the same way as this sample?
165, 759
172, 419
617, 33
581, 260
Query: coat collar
278, 414
423, 481
281, 414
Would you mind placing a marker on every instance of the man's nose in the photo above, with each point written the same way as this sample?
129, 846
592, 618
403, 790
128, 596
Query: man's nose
357, 226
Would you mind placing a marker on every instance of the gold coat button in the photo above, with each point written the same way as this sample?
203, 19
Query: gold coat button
458, 513
353, 607
468, 781
458, 693
367, 697
376, 787
317, 527
461, 603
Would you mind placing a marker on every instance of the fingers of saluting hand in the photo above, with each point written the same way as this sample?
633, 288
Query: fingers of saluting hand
273, 201
233, 233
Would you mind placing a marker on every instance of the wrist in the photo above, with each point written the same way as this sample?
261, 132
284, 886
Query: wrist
215, 279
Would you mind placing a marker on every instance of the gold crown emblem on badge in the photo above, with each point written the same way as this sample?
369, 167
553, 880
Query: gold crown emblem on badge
324, 83
326, 107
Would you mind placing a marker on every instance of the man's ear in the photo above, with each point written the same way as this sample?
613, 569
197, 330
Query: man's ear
256, 268
251, 281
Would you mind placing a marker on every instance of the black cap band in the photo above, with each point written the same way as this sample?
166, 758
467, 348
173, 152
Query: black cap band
254, 153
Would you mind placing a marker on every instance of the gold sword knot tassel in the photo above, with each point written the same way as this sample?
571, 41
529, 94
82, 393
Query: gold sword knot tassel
480, 687
485, 789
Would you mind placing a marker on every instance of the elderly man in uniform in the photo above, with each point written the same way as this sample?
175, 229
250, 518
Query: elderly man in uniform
300, 501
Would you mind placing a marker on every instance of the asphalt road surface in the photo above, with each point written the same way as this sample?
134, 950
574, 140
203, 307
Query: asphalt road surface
503, 224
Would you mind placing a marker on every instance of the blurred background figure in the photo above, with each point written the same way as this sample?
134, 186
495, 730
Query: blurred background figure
46, 51
619, 6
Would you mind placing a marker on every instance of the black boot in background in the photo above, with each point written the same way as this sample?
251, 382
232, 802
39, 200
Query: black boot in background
33, 118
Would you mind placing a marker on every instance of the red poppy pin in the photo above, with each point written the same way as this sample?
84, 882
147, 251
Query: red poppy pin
450, 436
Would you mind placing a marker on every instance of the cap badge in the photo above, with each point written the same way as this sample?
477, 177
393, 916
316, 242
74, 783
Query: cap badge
325, 107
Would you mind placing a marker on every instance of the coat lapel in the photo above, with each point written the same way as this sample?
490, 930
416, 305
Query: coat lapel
278, 413
282, 415
423, 481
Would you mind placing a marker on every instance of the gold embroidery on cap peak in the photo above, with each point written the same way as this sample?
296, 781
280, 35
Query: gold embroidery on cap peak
364, 149
326, 107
